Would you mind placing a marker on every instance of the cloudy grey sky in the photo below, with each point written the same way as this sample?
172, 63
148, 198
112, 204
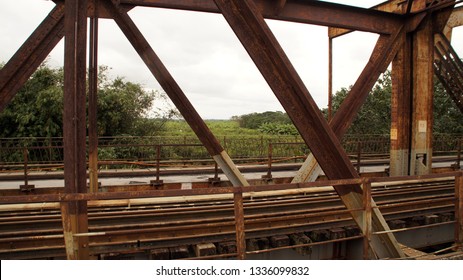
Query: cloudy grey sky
205, 57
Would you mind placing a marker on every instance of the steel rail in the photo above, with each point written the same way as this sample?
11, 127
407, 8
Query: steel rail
254, 222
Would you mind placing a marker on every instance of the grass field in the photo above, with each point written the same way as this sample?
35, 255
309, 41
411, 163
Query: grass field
218, 128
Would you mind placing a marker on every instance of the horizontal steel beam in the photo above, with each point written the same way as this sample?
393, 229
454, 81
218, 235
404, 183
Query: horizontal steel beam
310, 12
409, 7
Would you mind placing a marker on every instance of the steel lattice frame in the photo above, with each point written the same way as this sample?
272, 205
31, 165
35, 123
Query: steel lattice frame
402, 25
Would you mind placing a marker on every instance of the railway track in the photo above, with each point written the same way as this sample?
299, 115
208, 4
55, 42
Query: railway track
143, 225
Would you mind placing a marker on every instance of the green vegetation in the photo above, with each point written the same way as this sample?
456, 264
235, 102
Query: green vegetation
447, 117
127, 111
123, 107
375, 115
180, 127
272, 123
126, 108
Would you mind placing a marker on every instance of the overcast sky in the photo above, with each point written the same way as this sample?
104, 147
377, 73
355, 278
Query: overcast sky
205, 57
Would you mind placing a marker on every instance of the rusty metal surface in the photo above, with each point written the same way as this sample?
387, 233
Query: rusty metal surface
422, 101
401, 110
74, 118
311, 12
400, 7
153, 225
93, 101
247, 20
367, 198
239, 224
459, 211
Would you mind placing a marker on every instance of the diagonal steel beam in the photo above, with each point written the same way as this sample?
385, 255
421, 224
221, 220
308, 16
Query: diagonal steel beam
249, 25
175, 93
384, 52
31, 54
311, 12
385, 49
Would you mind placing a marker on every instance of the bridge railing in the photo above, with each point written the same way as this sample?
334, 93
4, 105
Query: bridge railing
129, 151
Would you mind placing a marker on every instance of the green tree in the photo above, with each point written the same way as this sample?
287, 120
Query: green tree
447, 116
278, 129
123, 107
120, 105
36, 109
255, 120
375, 114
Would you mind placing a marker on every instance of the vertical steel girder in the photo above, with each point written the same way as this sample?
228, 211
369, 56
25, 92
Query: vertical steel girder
330, 79
239, 223
175, 93
74, 119
401, 110
459, 211
31, 54
251, 29
422, 94
412, 99
93, 102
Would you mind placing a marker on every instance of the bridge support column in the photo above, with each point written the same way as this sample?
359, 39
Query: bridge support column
93, 102
400, 110
459, 211
412, 104
74, 121
422, 92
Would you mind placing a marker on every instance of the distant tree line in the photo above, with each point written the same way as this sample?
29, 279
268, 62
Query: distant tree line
373, 118
277, 123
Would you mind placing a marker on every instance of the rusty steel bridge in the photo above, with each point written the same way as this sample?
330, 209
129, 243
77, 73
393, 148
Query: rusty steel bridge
327, 209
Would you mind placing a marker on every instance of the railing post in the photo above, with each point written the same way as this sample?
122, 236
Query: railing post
268, 176
459, 210
216, 171
25, 166
158, 161
367, 225
359, 155
157, 182
459, 154
239, 223
262, 146
26, 187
